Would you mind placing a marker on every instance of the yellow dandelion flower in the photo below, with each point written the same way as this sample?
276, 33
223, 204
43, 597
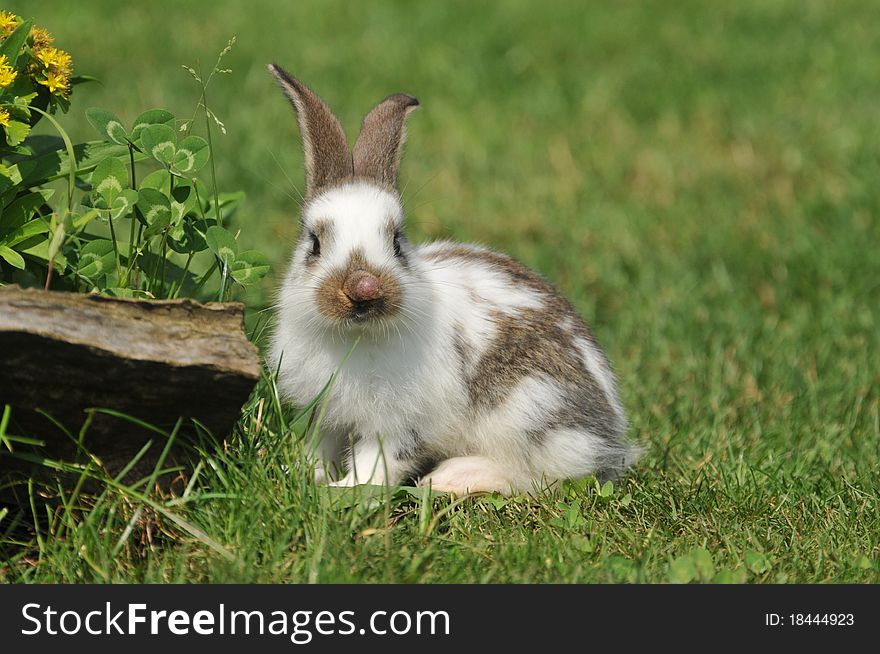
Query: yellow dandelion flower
8, 22
63, 62
48, 56
7, 73
41, 38
4, 117
7, 76
57, 83
55, 59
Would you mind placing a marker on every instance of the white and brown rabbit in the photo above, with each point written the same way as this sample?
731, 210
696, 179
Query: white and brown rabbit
471, 373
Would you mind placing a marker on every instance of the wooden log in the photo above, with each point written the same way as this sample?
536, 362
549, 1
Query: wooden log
64, 353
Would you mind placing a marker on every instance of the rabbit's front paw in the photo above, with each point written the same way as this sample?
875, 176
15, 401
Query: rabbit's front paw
344, 482
352, 479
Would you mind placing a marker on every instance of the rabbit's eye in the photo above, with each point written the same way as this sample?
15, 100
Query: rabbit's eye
316, 245
397, 251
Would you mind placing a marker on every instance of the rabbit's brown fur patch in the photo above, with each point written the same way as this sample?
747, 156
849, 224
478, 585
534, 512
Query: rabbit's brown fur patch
334, 303
533, 342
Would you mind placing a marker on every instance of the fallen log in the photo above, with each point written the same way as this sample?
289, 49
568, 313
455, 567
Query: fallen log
62, 354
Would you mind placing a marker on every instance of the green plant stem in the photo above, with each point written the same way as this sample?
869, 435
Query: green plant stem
139, 240
148, 285
205, 277
154, 286
216, 263
49, 269
133, 258
131, 244
162, 262
131, 161
199, 201
71, 183
189, 259
219, 215
71, 154
165, 239
113, 238
130, 248
224, 271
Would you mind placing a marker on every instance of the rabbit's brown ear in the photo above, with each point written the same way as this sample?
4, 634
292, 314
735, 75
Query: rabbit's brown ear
328, 158
379, 146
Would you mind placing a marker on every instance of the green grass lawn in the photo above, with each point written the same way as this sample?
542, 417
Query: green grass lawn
700, 178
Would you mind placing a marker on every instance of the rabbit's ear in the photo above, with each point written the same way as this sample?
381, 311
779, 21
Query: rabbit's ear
379, 146
327, 155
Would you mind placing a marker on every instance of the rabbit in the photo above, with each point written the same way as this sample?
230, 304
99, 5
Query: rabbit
452, 365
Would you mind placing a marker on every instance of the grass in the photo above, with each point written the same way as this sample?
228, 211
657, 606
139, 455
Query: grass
700, 179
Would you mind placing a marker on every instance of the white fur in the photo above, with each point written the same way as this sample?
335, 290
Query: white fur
598, 367
461, 475
359, 213
404, 373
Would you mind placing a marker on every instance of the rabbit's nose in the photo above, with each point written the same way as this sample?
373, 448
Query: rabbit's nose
362, 286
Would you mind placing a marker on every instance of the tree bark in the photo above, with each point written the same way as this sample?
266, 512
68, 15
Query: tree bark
65, 353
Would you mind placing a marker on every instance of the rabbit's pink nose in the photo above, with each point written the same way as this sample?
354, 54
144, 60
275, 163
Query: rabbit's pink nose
364, 287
